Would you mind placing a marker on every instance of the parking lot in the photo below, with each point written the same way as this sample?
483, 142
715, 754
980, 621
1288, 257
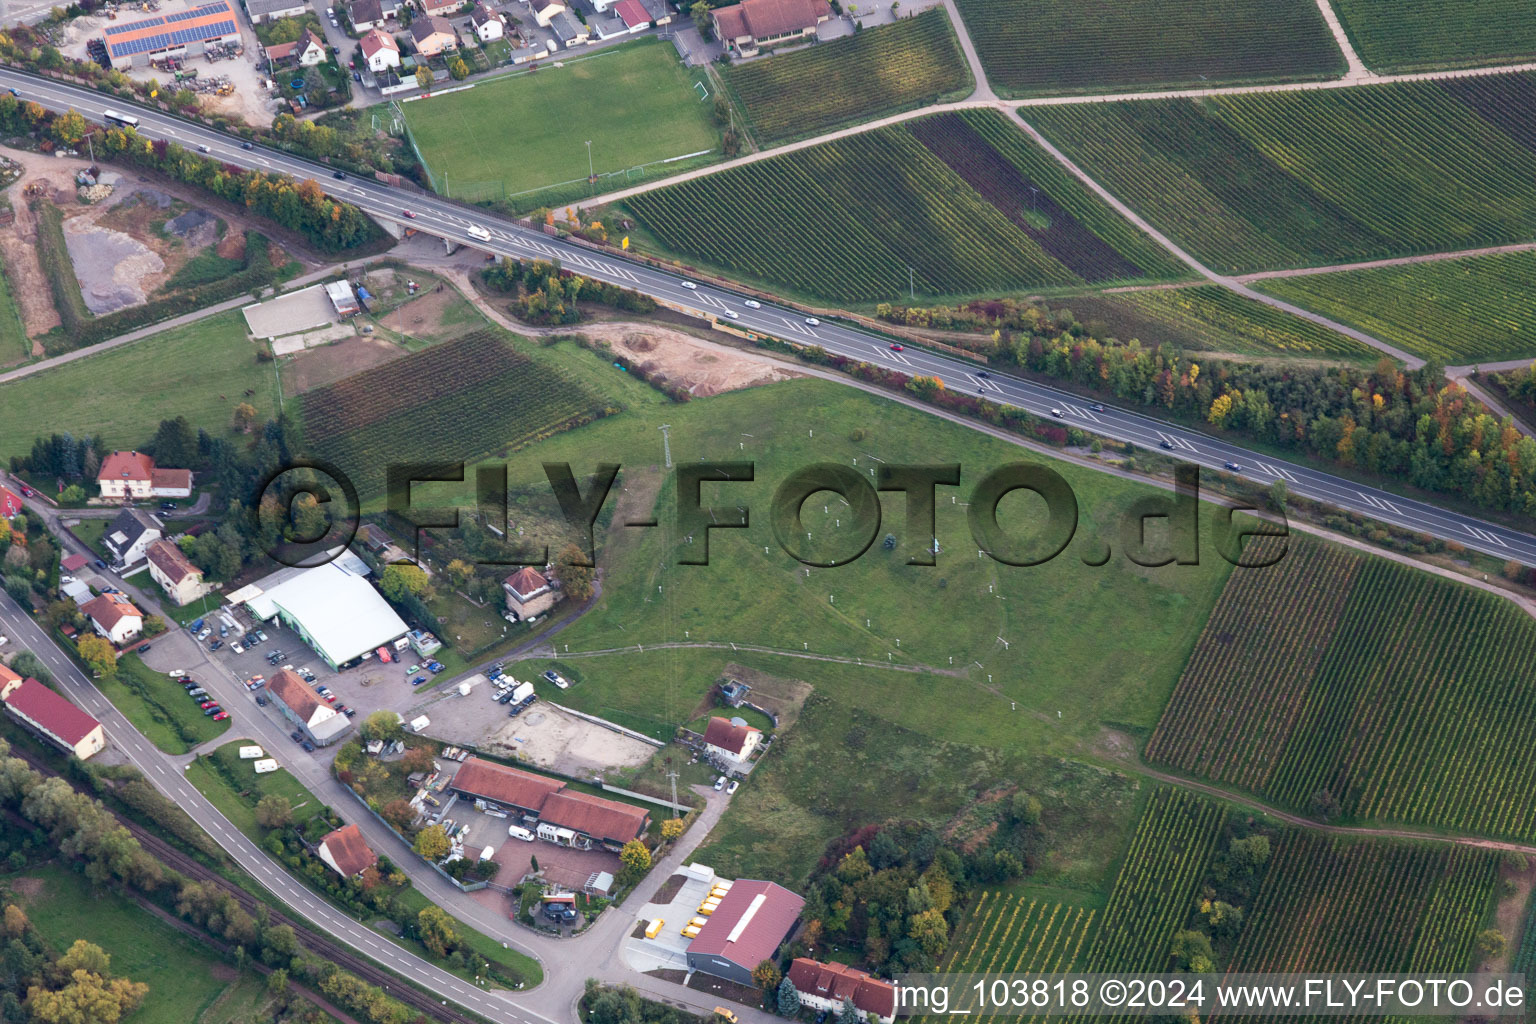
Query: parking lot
668, 950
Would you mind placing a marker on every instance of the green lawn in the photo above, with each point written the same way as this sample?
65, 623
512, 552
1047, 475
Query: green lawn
200, 370
14, 344
239, 804
158, 706
176, 967
636, 103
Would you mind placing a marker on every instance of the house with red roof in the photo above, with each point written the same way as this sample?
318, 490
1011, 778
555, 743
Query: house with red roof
380, 50
754, 25
345, 852
565, 816
50, 715
634, 15
828, 986
128, 476
114, 617
731, 741
753, 920
10, 504
529, 593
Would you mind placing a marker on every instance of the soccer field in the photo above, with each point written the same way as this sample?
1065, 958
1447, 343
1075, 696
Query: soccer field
636, 103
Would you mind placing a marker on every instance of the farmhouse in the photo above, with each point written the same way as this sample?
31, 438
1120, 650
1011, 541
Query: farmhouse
270, 10
564, 816
752, 921
828, 986
50, 715
178, 34
305, 52
178, 577
432, 35
731, 740
10, 504
302, 706
488, 23
345, 852
134, 475
544, 11
380, 50
752, 25
332, 606
529, 593
130, 535
114, 617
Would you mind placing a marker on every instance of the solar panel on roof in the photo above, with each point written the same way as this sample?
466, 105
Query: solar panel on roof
162, 40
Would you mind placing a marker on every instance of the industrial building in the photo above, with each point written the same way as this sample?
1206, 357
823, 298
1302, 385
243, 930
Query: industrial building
752, 921
564, 816
175, 34
332, 607
50, 715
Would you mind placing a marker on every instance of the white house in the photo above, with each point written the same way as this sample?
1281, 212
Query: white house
178, 577
827, 987
130, 534
271, 10
345, 852
114, 617
731, 742
380, 50
487, 21
133, 475
365, 14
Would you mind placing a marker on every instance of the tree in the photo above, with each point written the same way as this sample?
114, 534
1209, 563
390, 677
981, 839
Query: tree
398, 813
308, 519
69, 128
154, 625
435, 928
286, 30
274, 811
533, 864
789, 998
244, 418
423, 77
1489, 945
74, 494
701, 20
672, 828
383, 725
847, 1013
416, 759
86, 998
929, 931
1250, 853
402, 578
458, 572
16, 923
458, 69
432, 843
1192, 951
84, 956
766, 976
635, 857
576, 579
277, 983
97, 653
175, 443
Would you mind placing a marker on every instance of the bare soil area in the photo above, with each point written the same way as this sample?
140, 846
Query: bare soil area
1510, 916
702, 367
327, 364
422, 317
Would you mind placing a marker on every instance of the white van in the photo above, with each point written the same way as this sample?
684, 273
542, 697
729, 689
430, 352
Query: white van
518, 832
476, 231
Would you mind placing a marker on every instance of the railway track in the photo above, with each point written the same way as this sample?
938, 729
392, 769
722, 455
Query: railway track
315, 942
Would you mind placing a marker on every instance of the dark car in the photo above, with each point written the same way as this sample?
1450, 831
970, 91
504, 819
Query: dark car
1165, 444
339, 175
296, 736
216, 645
209, 712
1097, 407
169, 506
245, 145
99, 564
261, 701
434, 667
1233, 467
143, 648
983, 374
308, 746
418, 680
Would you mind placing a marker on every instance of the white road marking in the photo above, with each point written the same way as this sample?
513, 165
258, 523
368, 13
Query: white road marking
1484, 535
1381, 503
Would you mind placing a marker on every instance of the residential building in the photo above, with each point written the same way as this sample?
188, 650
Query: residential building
178, 577
529, 593
301, 705
10, 503
828, 986
305, 52
332, 606
569, 31
439, 7
659, 10
271, 10
634, 15
731, 740
544, 11
130, 534
585, 819
114, 617
380, 51
345, 852
50, 715
753, 920
134, 475
753, 25
73, 563
77, 591
365, 14
488, 22
432, 35
184, 33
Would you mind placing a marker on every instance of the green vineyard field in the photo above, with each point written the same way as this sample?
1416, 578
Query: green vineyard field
933, 204
1358, 684
910, 63
451, 402
1209, 318
1039, 46
1413, 35
1331, 905
1269, 180
1478, 309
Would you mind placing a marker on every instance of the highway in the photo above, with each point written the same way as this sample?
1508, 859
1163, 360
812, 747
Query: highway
452, 221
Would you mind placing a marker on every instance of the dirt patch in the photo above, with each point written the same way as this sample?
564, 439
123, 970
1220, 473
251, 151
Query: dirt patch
26, 887
784, 697
1509, 919
668, 890
701, 367
1114, 743
223, 972
422, 317
317, 367
115, 269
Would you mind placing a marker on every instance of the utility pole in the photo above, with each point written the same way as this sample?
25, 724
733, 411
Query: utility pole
591, 172
666, 443
911, 286
673, 776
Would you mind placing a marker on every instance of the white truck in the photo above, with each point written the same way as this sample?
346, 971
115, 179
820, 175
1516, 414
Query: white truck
520, 693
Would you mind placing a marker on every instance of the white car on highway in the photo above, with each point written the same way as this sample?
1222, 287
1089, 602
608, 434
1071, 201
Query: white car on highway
753, 304
733, 314
813, 321
690, 286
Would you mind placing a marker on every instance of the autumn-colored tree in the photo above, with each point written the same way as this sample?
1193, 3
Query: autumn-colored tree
70, 127
84, 956
383, 725
458, 69
97, 652
423, 77
672, 828
635, 858
286, 30
86, 998
766, 976
402, 578
16, 923
244, 418
274, 811
930, 931
432, 843
458, 572
435, 928
398, 813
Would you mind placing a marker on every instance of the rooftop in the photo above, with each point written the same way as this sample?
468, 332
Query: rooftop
109, 609
161, 31
839, 982
169, 559
342, 615
300, 697
349, 852
526, 582
765, 19
723, 734
50, 711
749, 924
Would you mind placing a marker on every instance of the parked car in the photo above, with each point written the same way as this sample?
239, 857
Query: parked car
720, 783
223, 631
210, 712
216, 645
237, 648
434, 667
143, 648
261, 700
296, 736
732, 787
310, 747
98, 563
418, 680
261, 635
349, 712
197, 624
221, 716
504, 697
207, 704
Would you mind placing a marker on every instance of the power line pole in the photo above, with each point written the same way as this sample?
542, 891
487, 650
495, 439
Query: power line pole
666, 443
673, 776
